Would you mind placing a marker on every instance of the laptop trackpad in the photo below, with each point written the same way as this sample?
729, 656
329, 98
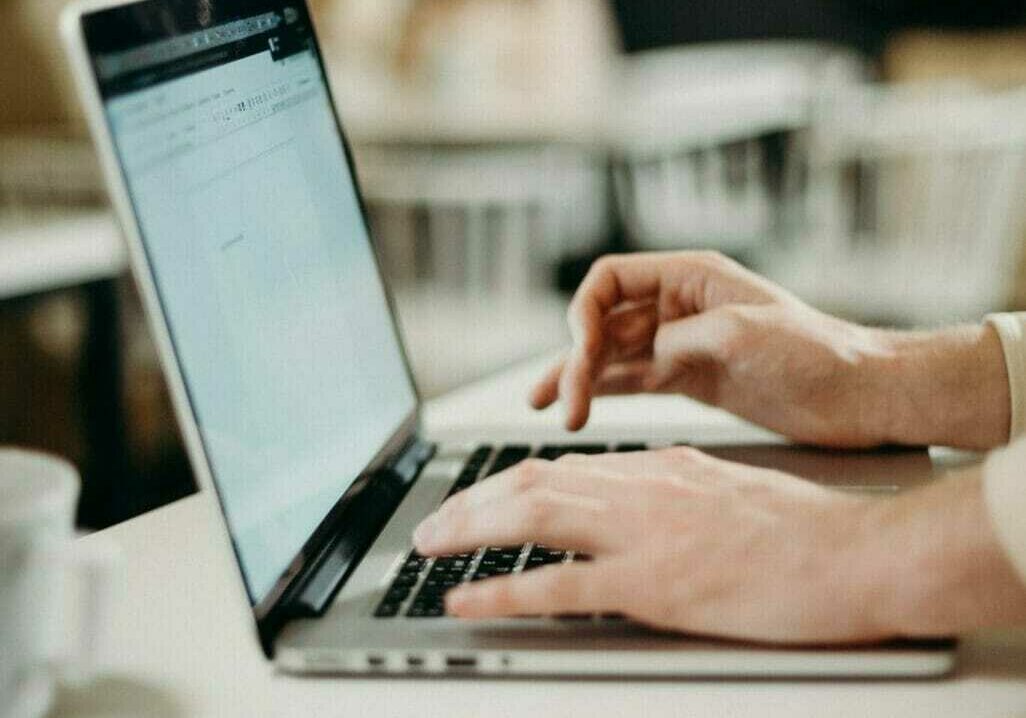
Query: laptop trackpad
879, 471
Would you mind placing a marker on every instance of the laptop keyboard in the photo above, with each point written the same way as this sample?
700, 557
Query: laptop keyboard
419, 587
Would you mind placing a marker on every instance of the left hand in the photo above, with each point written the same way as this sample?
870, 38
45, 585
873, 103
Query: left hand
680, 540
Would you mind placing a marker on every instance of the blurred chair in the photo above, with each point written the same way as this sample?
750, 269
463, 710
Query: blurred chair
703, 137
469, 237
913, 202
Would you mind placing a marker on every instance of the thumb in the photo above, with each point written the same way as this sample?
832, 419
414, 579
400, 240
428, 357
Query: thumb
703, 338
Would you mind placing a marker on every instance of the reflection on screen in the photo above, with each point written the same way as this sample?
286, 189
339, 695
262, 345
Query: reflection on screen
266, 275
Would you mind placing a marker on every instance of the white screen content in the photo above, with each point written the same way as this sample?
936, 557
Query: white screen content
267, 278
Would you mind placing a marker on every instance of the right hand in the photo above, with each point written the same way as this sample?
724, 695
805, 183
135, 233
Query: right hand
699, 324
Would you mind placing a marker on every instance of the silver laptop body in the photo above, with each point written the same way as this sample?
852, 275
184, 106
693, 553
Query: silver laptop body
233, 182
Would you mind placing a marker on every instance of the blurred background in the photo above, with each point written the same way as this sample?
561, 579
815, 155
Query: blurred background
868, 154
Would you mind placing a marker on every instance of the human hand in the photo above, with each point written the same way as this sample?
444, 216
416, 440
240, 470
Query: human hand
679, 540
683, 541
698, 324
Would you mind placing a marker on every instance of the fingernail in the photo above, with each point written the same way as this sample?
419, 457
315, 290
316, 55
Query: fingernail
423, 534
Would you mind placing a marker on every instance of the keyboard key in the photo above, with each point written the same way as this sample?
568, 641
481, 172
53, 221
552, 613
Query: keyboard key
386, 610
428, 580
430, 600
552, 452
471, 470
588, 448
543, 556
500, 557
507, 457
397, 594
426, 611
428, 596
536, 561
414, 564
401, 586
435, 590
479, 456
441, 580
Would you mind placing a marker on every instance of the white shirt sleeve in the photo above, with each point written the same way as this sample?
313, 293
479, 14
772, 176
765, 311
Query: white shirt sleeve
1012, 330
1005, 470
1004, 486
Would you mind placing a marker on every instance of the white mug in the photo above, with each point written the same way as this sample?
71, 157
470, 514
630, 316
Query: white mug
44, 634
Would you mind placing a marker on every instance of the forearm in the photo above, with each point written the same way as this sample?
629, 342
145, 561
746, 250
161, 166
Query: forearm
931, 562
948, 387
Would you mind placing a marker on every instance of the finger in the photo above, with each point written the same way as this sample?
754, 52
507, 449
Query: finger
578, 384
575, 389
546, 391
540, 515
635, 466
706, 338
630, 329
584, 479
610, 281
623, 378
564, 588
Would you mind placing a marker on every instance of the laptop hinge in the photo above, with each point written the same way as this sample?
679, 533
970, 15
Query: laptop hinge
362, 523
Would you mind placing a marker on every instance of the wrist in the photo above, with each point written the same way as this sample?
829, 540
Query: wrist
947, 387
928, 563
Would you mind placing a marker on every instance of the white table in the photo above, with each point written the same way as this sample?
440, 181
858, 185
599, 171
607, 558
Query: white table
184, 643
56, 250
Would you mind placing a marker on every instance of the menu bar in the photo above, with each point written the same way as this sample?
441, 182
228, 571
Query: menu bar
113, 65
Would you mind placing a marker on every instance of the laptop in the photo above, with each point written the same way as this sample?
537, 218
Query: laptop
248, 238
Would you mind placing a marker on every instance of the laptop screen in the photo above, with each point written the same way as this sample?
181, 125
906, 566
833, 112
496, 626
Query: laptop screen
254, 233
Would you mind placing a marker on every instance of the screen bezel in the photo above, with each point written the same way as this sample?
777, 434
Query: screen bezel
135, 12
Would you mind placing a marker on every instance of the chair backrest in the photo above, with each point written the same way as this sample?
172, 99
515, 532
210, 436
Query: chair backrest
483, 219
932, 176
702, 135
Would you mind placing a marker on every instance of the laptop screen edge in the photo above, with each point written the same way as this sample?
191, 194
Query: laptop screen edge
72, 26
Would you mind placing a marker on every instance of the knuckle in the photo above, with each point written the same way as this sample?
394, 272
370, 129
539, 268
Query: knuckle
600, 266
673, 483
604, 263
710, 258
536, 511
670, 483
738, 330
527, 475
683, 453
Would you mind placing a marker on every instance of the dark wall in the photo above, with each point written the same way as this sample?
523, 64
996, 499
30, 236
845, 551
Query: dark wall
862, 24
